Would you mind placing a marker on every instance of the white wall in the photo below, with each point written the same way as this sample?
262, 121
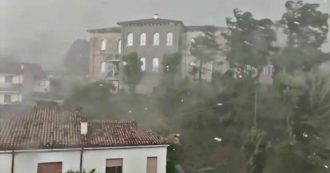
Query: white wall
5, 163
28, 162
134, 159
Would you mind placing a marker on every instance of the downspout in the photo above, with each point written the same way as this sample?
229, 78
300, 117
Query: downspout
12, 161
81, 159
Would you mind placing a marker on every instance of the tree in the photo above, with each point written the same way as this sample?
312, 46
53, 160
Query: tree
76, 60
306, 28
205, 48
171, 62
250, 42
132, 71
309, 119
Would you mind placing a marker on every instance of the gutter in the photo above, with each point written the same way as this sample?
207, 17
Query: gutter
12, 161
79, 149
81, 160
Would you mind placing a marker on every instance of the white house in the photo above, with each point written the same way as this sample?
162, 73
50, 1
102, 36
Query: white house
58, 139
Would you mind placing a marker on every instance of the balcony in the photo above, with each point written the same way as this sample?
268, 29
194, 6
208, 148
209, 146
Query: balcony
112, 57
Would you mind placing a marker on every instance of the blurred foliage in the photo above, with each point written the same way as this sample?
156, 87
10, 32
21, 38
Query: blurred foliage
306, 28
205, 48
84, 171
255, 149
77, 58
132, 70
250, 42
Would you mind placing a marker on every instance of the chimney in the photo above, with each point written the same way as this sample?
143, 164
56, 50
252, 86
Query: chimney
83, 128
156, 16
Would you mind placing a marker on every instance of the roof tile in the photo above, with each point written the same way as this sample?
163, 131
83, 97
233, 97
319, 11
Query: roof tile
59, 127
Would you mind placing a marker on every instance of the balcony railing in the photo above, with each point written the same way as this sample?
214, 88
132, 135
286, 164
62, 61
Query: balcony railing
112, 57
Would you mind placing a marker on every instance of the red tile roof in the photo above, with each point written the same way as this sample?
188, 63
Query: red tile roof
59, 127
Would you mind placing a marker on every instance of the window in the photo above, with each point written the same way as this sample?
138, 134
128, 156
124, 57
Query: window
8, 79
169, 39
152, 165
44, 83
103, 67
143, 65
54, 167
103, 44
114, 166
156, 39
155, 65
268, 70
119, 47
7, 98
130, 39
143, 38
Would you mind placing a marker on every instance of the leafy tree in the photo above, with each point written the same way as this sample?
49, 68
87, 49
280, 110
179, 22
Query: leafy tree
250, 42
77, 58
306, 28
84, 171
172, 62
205, 48
308, 121
132, 71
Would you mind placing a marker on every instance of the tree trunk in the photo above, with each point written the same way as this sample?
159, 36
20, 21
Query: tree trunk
200, 70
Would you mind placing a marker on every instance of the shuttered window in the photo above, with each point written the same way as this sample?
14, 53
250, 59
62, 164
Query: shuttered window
152, 165
114, 166
53, 167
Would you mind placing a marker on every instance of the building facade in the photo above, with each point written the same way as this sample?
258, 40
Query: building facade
59, 139
151, 39
20, 81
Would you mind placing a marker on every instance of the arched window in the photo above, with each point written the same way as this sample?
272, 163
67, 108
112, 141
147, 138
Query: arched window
169, 39
143, 65
143, 39
156, 39
155, 64
119, 47
130, 39
103, 44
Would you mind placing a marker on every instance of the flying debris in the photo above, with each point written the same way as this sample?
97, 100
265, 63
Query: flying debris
217, 139
248, 43
305, 135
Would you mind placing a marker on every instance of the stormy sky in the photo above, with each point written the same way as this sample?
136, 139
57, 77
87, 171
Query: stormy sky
42, 30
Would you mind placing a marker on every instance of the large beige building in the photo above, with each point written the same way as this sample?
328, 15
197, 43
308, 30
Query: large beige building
151, 39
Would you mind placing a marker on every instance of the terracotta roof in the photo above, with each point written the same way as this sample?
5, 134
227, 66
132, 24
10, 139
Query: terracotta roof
105, 30
58, 127
150, 21
33, 69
